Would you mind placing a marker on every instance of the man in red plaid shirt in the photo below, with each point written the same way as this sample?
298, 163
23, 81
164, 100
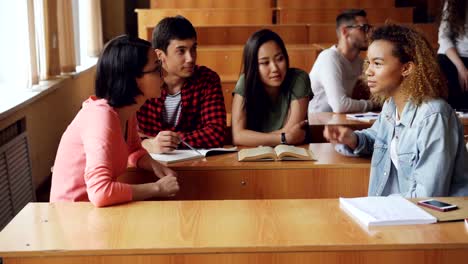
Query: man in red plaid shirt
191, 108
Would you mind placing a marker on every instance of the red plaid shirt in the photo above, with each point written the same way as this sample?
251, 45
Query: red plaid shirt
202, 120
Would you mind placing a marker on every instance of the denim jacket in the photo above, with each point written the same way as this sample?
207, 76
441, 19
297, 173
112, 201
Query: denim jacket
432, 157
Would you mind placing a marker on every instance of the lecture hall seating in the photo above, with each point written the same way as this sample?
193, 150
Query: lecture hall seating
208, 16
328, 15
258, 4
306, 26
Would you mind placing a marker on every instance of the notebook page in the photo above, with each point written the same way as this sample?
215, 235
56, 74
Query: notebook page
391, 210
176, 155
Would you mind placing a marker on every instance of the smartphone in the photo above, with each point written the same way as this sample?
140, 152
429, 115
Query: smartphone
437, 205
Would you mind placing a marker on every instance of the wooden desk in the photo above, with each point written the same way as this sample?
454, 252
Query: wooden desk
223, 177
239, 231
317, 122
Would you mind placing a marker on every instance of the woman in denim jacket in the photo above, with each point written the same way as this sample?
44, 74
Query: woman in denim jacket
417, 142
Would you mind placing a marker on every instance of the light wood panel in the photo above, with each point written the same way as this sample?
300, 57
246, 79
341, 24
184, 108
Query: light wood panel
227, 60
223, 177
291, 34
328, 15
326, 33
228, 83
238, 34
335, 3
429, 30
213, 16
211, 4
229, 231
431, 256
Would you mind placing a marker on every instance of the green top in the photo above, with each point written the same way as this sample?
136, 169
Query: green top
298, 87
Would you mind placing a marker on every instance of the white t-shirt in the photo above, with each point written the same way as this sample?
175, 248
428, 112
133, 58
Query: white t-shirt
446, 43
394, 145
333, 78
393, 187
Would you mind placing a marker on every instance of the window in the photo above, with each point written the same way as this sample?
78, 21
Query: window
15, 65
43, 39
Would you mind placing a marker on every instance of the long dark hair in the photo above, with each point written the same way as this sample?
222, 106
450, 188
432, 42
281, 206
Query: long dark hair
121, 62
257, 101
455, 16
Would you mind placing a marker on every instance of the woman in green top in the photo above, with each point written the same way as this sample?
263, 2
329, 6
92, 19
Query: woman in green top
270, 99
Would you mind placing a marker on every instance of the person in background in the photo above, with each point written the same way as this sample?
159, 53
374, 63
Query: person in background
417, 143
191, 108
270, 98
102, 140
337, 71
453, 51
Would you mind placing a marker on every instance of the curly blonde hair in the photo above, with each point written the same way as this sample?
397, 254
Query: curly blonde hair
426, 81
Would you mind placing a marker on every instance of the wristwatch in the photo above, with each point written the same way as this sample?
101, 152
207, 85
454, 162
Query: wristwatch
283, 138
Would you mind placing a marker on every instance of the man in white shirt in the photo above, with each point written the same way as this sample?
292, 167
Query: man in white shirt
338, 69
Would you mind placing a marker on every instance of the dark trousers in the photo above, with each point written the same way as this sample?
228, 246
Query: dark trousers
457, 98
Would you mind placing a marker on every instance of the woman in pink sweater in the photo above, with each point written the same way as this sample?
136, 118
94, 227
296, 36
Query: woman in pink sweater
102, 140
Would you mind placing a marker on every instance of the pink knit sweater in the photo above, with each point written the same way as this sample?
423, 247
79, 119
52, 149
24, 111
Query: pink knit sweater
92, 154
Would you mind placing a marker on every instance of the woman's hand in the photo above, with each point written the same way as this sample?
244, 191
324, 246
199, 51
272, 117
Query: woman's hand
161, 170
340, 134
296, 134
463, 79
167, 186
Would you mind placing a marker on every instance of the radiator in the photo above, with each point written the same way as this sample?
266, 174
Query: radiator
16, 187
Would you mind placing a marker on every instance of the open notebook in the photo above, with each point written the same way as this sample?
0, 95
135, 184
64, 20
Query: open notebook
389, 210
187, 154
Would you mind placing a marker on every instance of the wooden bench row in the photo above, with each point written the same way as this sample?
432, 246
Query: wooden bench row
267, 16
271, 3
291, 34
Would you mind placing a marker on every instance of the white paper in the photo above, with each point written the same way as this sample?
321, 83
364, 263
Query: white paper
188, 154
176, 155
390, 210
365, 117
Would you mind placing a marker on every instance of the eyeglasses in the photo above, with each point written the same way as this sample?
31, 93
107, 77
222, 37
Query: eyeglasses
158, 68
364, 27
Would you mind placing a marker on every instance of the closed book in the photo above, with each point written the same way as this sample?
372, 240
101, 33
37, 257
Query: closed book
385, 210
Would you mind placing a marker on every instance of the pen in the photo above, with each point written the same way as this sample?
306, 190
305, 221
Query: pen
366, 115
190, 147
